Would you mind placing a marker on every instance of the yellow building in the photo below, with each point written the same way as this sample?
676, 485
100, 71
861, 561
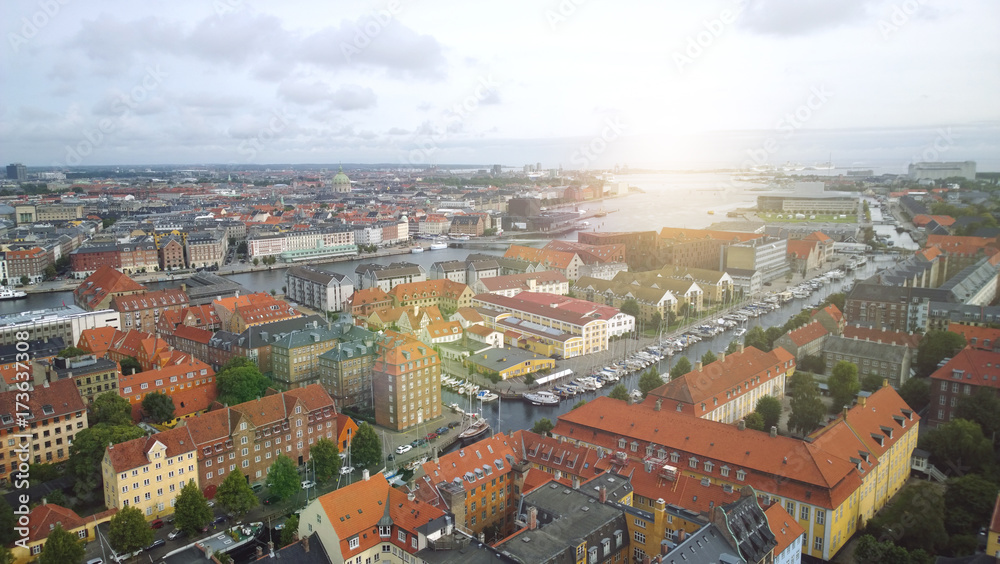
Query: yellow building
149, 472
43, 519
993, 541
442, 293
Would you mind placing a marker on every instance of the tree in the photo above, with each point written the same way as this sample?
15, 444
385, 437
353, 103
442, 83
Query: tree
366, 447
871, 382
649, 381
916, 392
708, 358
935, 346
733, 347
807, 408
325, 459
71, 352
957, 446
61, 547
56, 497
897, 521
283, 478
968, 503
837, 299
110, 408
25, 280
50, 272
191, 512
682, 367
983, 407
754, 421
158, 406
7, 523
630, 307
619, 392
236, 496
843, 384
543, 426
130, 365
812, 363
128, 530
87, 450
43, 472
655, 320
240, 385
241, 249
6, 556
256, 261
289, 531
756, 338
769, 408
580, 403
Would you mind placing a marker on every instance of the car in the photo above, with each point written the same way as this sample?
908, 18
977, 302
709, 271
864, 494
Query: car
211, 503
176, 534
272, 500
219, 519
156, 544
346, 470
431, 436
442, 430
156, 524
257, 488
306, 484
453, 424
96, 561
415, 443
403, 449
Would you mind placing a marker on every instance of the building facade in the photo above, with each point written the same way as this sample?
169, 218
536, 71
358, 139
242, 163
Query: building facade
406, 379
318, 289
149, 473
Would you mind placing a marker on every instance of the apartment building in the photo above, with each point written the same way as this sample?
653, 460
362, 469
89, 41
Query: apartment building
181, 373
387, 277
139, 255
363, 303
769, 256
969, 371
206, 248
548, 282
142, 310
727, 390
92, 375
295, 355
239, 312
346, 372
148, 473
640, 246
247, 437
321, 290
406, 379
98, 289
55, 413
44, 517
27, 266
566, 263
171, 254
442, 293
66, 322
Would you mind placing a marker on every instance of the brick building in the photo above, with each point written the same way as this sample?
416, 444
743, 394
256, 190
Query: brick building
406, 379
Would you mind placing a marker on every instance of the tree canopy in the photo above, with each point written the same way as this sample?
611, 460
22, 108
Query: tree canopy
543, 426
241, 384
769, 408
982, 407
897, 520
324, 456
289, 531
807, 409
844, 385
708, 358
158, 406
754, 421
7, 523
916, 392
70, 352
87, 450
191, 512
366, 447
935, 346
958, 446
61, 547
111, 408
968, 503
235, 495
283, 478
128, 530
871, 382
130, 365
756, 337
682, 367
630, 307
619, 392
649, 381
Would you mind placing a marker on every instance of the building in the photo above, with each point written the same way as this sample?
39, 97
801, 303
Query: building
832, 484
769, 256
805, 341
55, 414
318, 289
406, 382
239, 312
38, 213
295, 355
788, 534
471, 225
139, 255
207, 248
98, 289
17, 172
993, 540
884, 359
387, 277
346, 373
371, 521
653, 301
92, 375
510, 285
149, 473
171, 254
67, 323
566, 263
44, 517
964, 375
919, 171
142, 310
247, 437
182, 372
640, 246
442, 293
727, 390
86, 260
363, 303
508, 363
453, 270
27, 266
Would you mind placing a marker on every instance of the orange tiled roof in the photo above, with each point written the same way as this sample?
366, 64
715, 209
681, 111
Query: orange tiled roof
105, 280
43, 518
818, 236
833, 311
978, 368
548, 257
807, 333
98, 340
132, 454
440, 288
783, 526
170, 297
683, 491
800, 248
196, 334
985, 338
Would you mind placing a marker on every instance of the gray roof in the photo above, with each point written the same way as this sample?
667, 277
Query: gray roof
449, 265
886, 352
748, 525
297, 553
967, 283
502, 359
313, 274
707, 544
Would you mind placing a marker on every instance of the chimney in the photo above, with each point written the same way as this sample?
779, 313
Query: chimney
741, 347
260, 553
576, 483
410, 496
846, 409
861, 400
885, 382
364, 476
697, 366
305, 544
603, 495
532, 518
722, 356
741, 425
774, 431
681, 533
659, 403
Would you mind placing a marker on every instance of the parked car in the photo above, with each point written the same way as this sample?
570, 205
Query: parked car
453, 424
272, 500
219, 519
176, 534
96, 561
442, 430
257, 488
211, 503
156, 524
431, 436
306, 484
346, 470
403, 449
156, 544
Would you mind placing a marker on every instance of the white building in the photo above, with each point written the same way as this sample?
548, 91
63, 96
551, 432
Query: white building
318, 289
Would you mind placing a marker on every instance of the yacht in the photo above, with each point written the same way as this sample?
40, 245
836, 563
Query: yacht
417, 250
541, 398
438, 246
11, 294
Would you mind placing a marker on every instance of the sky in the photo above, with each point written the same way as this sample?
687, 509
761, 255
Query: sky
578, 84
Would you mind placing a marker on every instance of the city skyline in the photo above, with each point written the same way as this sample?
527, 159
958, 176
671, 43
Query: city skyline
573, 84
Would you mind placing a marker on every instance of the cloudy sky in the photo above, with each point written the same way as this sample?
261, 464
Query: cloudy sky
572, 83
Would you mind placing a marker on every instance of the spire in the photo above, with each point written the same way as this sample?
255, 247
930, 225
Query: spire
386, 520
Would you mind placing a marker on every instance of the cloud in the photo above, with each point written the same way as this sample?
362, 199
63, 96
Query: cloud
353, 97
304, 92
393, 47
800, 17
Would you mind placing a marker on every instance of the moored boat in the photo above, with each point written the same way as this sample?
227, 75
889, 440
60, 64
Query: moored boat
478, 430
541, 398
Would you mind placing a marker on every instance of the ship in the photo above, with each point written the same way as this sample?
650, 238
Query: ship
438, 246
541, 398
11, 294
480, 429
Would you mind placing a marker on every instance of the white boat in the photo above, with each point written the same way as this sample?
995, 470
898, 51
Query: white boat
740, 332
11, 294
487, 396
541, 398
417, 250
438, 246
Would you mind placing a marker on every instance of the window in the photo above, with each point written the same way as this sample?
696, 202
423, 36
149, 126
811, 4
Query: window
818, 543
820, 517
640, 537
354, 542
804, 513
741, 475
401, 535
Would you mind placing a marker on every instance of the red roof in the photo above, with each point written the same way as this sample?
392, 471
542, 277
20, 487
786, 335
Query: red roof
800, 248
807, 333
784, 527
833, 311
877, 335
98, 340
105, 280
984, 338
135, 453
972, 366
43, 518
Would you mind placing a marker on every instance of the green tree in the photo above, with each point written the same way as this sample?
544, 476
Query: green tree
983, 407
957, 446
71, 352
25, 280
236, 496
682, 367
366, 447
580, 403
837, 299
812, 363
6, 556
7, 523
649, 381
630, 307
56, 497
733, 347
843, 384
769, 408
708, 358
283, 478
916, 392
655, 320
754, 421
543, 426
915, 519
43, 472
807, 409
935, 346
61, 547
158, 406
325, 459
240, 385
50, 272
87, 450
871, 382
968, 503
130, 365
128, 530
110, 408
241, 249
757, 338
191, 512
256, 261
289, 531
619, 392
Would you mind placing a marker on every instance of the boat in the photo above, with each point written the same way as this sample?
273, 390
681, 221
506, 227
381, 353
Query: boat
225, 541
740, 332
478, 430
541, 398
459, 237
487, 395
11, 294
416, 249
438, 246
